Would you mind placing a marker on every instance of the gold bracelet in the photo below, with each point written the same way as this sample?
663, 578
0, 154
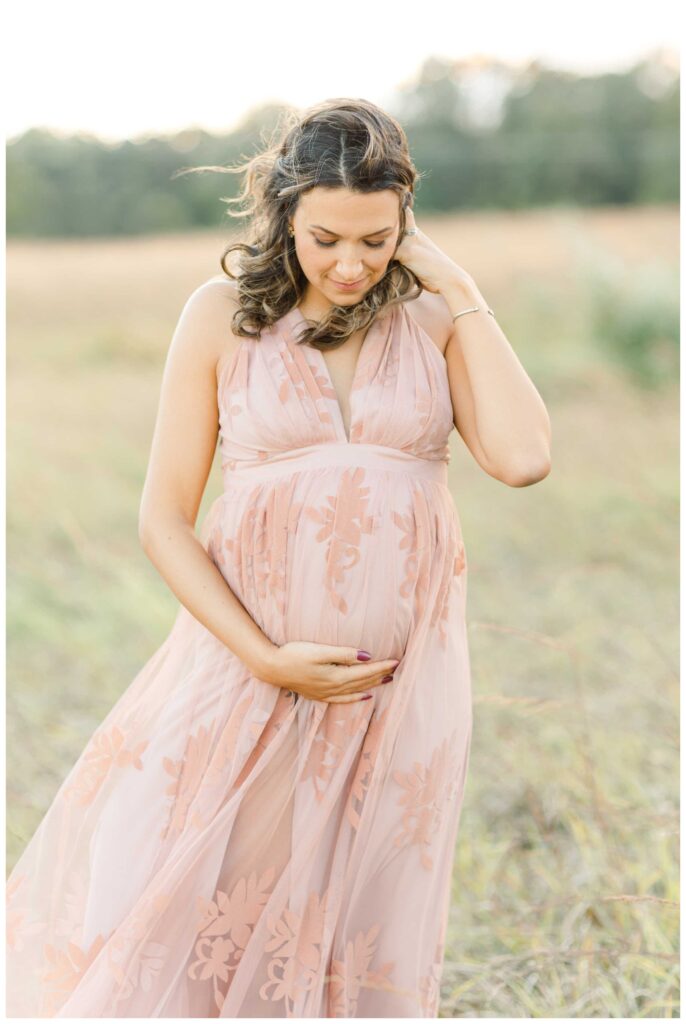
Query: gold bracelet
474, 309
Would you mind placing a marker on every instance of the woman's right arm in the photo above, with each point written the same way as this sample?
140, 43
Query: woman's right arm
183, 447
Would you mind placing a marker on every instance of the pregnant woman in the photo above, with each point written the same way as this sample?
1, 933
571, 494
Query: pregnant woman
264, 824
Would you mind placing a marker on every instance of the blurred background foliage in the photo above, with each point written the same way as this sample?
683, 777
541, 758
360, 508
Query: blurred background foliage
486, 135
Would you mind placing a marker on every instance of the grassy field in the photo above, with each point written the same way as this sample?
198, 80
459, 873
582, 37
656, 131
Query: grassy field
566, 873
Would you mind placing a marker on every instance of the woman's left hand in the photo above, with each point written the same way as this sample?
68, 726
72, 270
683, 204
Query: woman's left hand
423, 257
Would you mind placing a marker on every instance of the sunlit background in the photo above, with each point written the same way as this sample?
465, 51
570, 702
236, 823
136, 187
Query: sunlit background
547, 137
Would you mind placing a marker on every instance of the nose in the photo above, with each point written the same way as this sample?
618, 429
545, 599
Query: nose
349, 272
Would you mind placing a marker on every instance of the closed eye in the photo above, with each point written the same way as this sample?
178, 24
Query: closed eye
372, 245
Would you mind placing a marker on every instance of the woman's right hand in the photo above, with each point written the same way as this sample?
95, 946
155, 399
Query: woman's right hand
326, 672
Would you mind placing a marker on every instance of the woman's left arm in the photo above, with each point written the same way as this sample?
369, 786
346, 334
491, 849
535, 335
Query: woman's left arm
503, 409
498, 411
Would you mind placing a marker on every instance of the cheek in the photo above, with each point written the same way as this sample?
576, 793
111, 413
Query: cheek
313, 257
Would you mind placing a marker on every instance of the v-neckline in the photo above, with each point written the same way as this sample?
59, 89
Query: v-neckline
375, 324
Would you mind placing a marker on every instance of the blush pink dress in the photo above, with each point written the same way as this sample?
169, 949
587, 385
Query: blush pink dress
226, 848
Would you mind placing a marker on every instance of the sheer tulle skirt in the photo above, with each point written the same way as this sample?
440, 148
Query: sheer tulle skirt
223, 847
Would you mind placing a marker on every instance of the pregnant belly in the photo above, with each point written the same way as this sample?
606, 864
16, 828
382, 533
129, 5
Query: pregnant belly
347, 556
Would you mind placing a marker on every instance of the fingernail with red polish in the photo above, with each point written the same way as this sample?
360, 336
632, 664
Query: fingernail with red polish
368, 697
363, 656
386, 679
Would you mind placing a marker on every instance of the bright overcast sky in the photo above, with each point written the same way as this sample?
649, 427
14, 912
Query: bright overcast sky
127, 68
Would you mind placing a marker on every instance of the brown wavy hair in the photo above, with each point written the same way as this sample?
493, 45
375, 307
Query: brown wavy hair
338, 143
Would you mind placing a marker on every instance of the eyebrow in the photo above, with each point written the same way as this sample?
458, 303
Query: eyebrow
370, 235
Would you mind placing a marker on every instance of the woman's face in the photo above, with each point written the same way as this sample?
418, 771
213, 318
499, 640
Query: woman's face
344, 237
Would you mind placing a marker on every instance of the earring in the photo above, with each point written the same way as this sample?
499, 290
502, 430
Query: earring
291, 232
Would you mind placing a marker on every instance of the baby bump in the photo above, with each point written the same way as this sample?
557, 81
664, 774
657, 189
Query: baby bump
338, 556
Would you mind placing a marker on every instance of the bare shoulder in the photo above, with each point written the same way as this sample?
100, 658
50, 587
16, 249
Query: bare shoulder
220, 291
211, 307
432, 312
230, 288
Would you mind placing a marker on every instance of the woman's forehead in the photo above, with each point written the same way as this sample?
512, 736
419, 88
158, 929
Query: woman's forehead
324, 205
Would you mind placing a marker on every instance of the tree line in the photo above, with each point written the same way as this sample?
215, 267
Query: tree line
482, 135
